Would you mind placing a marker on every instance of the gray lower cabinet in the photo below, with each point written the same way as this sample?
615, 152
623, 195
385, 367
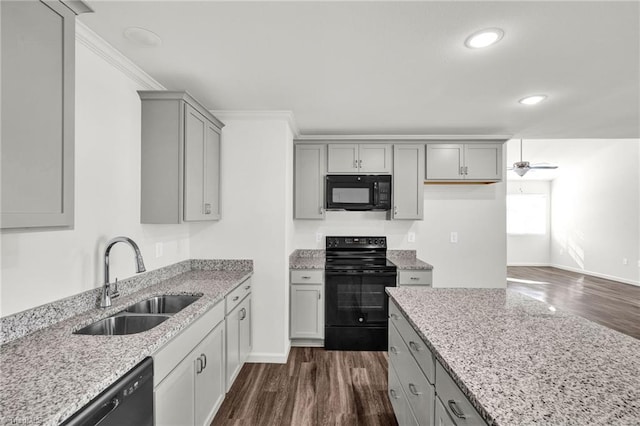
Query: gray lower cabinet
415, 277
408, 177
359, 158
189, 381
441, 416
307, 307
310, 169
180, 174
472, 162
239, 337
38, 81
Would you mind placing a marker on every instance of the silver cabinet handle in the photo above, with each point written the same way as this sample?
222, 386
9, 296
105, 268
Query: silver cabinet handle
454, 408
247, 287
415, 278
243, 311
199, 368
204, 361
393, 350
320, 210
235, 298
305, 277
393, 316
413, 345
393, 394
355, 164
395, 209
319, 295
461, 170
413, 389
466, 170
207, 208
360, 163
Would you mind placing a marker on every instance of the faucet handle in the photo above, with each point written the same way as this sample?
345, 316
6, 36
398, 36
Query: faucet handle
115, 293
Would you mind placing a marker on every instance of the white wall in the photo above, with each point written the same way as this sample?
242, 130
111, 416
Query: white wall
596, 209
530, 250
256, 202
42, 266
476, 212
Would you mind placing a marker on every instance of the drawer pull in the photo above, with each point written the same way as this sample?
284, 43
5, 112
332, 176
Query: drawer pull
243, 313
414, 278
393, 316
413, 389
393, 393
454, 408
306, 277
414, 346
204, 361
247, 287
235, 298
393, 350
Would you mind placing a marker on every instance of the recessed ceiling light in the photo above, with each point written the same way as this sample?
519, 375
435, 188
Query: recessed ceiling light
142, 37
484, 38
533, 99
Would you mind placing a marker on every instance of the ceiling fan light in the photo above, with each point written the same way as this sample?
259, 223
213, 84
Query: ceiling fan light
521, 168
521, 172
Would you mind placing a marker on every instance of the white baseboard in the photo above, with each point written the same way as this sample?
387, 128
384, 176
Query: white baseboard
596, 274
270, 357
528, 264
307, 343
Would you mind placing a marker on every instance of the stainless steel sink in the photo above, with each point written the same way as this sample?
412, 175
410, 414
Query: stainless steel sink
123, 324
167, 304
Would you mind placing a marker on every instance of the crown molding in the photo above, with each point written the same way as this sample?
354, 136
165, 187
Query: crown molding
475, 138
99, 46
260, 115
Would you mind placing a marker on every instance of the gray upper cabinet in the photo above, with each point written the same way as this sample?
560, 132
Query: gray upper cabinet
472, 162
408, 190
38, 80
310, 165
359, 158
180, 159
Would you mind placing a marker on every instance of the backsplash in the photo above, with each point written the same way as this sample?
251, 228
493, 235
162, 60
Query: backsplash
22, 323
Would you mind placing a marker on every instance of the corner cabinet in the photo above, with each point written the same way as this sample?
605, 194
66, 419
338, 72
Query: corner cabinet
408, 175
38, 113
471, 162
359, 158
306, 317
310, 169
180, 159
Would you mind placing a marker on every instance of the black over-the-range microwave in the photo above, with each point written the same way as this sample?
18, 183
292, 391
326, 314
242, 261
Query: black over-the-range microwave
358, 192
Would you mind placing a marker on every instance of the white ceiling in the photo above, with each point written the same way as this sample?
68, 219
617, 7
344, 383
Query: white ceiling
397, 67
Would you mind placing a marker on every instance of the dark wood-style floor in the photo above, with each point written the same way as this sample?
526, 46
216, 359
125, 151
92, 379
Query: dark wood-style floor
314, 387
610, 303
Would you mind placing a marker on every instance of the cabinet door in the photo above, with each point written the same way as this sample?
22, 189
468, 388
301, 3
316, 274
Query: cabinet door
343, 158
245, 330
444, 161
174, 397
38, 48
310, 165
195, 135
307, 311
232, 346
408, 177
483, 161
212, 173
209, 382
399, 400
441, 416
375, 158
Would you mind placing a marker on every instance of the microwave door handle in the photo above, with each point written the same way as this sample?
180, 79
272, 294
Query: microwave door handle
375, 193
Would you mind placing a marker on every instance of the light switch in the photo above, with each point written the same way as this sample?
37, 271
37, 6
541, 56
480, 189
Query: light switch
411, 237
318, 237
159, 249
454, 237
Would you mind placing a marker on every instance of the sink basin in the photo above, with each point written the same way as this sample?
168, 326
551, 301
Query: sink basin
167, 304
122, 324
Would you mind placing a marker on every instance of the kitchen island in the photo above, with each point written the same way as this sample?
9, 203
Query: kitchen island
520, 361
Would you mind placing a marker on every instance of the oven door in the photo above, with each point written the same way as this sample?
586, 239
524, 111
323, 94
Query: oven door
346, 192
357, 298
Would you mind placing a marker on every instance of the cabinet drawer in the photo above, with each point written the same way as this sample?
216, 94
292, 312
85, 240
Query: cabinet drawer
307, 276
455, 402
416, 346
170, 355
399, 401
235, 297
414, 277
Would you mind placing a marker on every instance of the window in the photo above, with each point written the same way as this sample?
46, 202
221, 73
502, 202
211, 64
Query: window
526, 214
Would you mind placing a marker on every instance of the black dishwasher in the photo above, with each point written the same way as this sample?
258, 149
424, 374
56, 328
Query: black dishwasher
129, 401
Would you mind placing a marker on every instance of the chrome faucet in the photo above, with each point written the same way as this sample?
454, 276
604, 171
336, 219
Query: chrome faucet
107, 291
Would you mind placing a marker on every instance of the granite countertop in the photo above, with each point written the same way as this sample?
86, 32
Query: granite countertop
520, 361
315, 258
51, 373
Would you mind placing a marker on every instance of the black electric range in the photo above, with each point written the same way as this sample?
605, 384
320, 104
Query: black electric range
356, 305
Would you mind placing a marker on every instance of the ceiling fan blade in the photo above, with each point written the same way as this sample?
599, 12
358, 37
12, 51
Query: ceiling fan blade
542, 166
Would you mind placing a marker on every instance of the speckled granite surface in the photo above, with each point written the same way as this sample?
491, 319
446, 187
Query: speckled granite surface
521, 363
406, 259
306, 259
25, 322
49, 374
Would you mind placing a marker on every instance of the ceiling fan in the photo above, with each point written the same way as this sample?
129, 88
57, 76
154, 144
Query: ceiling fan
522, 167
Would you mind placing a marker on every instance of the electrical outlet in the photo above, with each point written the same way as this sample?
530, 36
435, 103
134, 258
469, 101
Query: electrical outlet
159, 249
625, 261
411, 237
454, 237
318, 237
638, 263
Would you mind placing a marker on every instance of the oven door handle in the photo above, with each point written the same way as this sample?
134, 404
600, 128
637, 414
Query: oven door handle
333, 273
